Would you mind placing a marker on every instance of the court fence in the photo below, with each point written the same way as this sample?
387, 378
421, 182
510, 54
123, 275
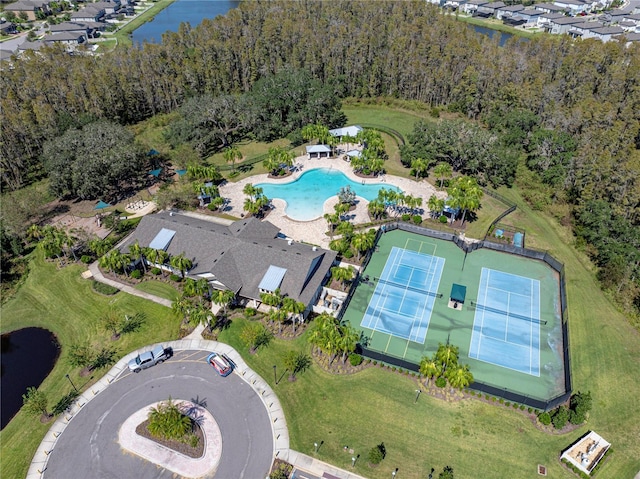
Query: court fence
469, 247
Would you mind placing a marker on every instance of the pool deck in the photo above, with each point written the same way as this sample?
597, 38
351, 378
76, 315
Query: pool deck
314, 231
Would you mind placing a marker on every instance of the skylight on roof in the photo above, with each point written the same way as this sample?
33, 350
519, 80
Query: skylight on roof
162, 239
272, 279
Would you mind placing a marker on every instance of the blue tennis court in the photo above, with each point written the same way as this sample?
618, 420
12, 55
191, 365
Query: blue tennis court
506, 325
404, 296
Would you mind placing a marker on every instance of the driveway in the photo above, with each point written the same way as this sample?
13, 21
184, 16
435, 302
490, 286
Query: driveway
89, 447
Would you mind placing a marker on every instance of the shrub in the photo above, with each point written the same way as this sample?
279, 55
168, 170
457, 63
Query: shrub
393, 369
377, 453
522, 407
375, 363
507, 404
417, 219
249, 312
355, 359
86, 259
529, 410
104, 288
443, 219
435, 112
156, 271
493, 398
65, 403
175, 277
514, 405
167, 421
441, 382
348, 254
501, 401
560, 417
544, 418
136, 274
406, 217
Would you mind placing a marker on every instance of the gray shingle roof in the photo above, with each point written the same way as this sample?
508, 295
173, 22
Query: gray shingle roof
238, 256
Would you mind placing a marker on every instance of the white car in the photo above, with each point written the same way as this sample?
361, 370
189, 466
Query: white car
149, 358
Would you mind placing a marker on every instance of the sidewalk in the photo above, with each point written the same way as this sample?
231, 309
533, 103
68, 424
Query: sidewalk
318, 468
98, 276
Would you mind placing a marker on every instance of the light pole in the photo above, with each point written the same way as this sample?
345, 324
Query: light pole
315, 447
74, 386
418, 391
275, 375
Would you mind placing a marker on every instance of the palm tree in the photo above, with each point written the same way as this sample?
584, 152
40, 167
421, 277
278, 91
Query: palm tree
465, 194
420, 167
162, 258
222, 298
442, 171
429, 368
232, 154
272, 165
333, 219
376, 209
181, 306
348, 341
345, 229
272, 299
362, 242
342, 275
189, 287
137, 253
251, 191
151, 254
181, 263
460, 377
293, 307
435, 205
447, 355
100, 247
251, 207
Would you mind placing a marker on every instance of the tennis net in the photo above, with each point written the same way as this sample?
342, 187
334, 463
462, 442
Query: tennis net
506, 313
410, 288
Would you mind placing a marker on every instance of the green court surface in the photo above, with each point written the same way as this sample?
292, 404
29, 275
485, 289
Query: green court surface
456, 326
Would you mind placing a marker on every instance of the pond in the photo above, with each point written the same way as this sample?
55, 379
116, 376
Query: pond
188, 11
27, 357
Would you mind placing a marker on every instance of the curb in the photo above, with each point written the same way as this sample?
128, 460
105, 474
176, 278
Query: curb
269, 399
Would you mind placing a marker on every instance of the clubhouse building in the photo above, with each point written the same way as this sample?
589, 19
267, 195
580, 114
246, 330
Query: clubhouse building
248, 257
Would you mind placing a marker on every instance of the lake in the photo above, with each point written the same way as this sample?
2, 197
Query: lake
169, 19
504, 36
27, 358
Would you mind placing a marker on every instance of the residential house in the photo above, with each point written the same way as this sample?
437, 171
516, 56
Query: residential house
471, 6
605, 33
88, 28
70, 40
488, 9
579, 30
88, 14
548, 8
30, 46
562, 25
247, 257
6, 56
508, 11
7, 28
528, 16
544, 20
318, 151
629, 38
574, 7
29, 7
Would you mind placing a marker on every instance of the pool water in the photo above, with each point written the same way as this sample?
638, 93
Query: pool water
306, 196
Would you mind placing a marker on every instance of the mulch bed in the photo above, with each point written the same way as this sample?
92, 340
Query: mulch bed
177, 446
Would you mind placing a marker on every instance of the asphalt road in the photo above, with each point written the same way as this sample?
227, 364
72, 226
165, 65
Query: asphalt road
88, 448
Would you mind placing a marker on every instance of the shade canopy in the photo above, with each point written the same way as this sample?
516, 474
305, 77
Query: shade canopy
101, 205
458, 293
156, 173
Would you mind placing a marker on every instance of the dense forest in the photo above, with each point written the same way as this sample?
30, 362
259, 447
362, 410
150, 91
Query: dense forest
570, 108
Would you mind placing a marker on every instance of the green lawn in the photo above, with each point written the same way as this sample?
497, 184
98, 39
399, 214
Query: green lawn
158, 288
64, 303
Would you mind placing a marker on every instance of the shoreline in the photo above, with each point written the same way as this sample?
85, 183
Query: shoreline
123, 34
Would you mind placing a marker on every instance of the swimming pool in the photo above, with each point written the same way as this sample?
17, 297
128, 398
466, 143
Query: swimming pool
305, 196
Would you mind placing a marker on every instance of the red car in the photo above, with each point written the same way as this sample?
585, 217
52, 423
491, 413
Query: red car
220, 363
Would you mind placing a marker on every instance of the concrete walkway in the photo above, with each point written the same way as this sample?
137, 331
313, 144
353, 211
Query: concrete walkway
98, 276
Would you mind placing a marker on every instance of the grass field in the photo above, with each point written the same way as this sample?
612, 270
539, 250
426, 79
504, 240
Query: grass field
64, 303
158, 288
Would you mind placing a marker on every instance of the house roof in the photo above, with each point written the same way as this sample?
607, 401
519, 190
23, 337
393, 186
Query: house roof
568, 20
512, 8
272, 279
576, 3
240, 255
68, 27
318, 149
588, 25
26, 5
64, 37
608, 31
552, 16
630, 37
548, 6
37, 45
494, 5
347, 130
